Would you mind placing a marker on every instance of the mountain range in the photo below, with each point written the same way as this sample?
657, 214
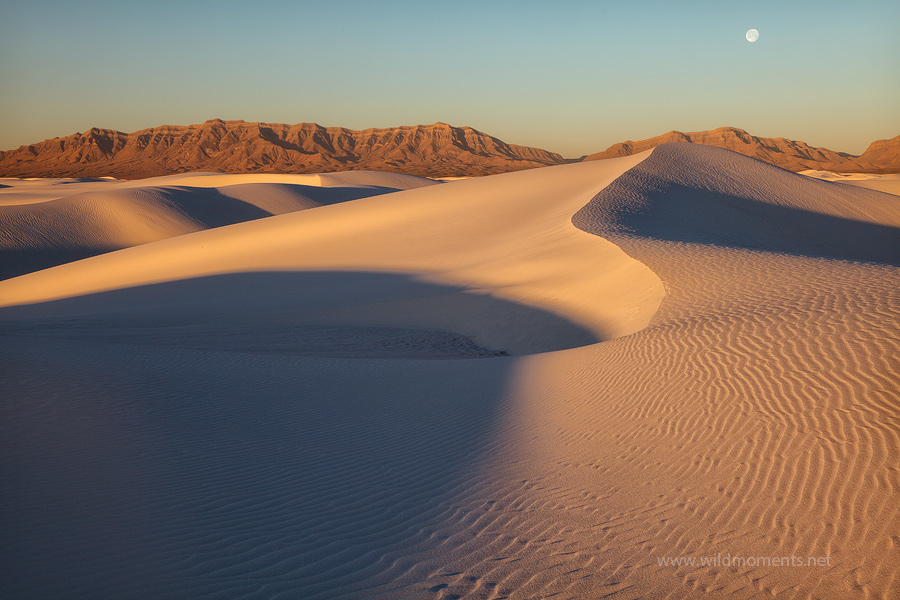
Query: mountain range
241, 147
882, 156
438, 150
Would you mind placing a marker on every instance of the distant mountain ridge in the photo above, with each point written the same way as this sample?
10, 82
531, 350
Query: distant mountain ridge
882, 156
437, 150
241, 147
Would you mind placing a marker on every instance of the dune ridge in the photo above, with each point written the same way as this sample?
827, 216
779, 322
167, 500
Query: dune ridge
436, 222
48, 223
738, 396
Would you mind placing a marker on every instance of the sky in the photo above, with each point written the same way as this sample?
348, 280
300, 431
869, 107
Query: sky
568, 76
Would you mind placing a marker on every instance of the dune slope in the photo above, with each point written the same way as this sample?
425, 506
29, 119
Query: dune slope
882, 183
699, 364
48, 223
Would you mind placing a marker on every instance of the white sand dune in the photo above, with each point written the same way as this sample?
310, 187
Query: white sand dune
686, 353
882, 183
51, 222
30, 190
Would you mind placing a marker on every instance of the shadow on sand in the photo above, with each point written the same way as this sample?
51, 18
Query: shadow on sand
254, 304
704, 195
145, 469
207, 207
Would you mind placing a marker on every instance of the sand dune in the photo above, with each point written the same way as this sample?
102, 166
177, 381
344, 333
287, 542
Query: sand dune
47, 223
527, 251
682, 354
883, 183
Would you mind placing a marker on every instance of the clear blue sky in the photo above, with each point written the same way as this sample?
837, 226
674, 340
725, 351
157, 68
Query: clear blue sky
571, 77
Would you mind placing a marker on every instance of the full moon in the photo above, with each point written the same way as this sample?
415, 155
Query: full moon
752, 35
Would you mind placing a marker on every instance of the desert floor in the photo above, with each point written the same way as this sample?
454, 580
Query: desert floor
670, 375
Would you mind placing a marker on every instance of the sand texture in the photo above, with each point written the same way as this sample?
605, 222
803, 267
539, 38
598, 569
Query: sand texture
541, 384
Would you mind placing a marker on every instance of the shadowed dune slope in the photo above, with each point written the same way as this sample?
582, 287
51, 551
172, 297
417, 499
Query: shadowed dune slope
317, 313
705, 195
246, 411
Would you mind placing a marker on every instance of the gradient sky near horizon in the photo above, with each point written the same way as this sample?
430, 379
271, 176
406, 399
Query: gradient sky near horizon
570, 77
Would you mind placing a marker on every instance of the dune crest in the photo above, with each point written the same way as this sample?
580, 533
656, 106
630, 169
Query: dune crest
48, 223
528, 252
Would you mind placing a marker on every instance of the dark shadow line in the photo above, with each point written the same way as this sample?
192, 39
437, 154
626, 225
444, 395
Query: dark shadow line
232, 306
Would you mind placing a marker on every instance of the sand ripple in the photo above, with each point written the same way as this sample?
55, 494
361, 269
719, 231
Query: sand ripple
753, 413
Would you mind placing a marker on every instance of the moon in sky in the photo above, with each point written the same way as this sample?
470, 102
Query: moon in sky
752, 35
